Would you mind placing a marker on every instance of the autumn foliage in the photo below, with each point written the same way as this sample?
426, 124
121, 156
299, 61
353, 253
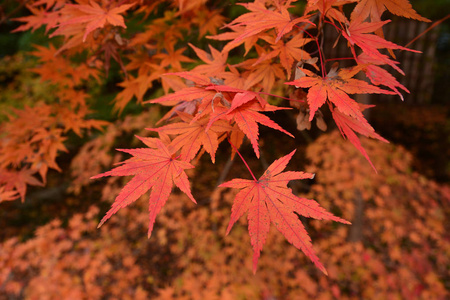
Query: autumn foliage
204, 84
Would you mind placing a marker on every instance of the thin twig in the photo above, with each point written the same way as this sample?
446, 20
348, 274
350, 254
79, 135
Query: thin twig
428, 29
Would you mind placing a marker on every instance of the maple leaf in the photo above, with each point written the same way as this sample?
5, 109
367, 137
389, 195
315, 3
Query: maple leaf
348, 126
335, 87
136, 87
93, 16
185, 94
358, 33
38, 18
193, 135
154, 168
378, 75
234, 78
269, 200
260, 19
247, 117
249, 41
19, 180
264, 73
375, 8
288, 52
208, 21
215, 62
172, 57
6, 195
326, 8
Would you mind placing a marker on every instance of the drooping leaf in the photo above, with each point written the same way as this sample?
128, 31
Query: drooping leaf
269, 200
247, 116
348, 126
378, 75
360, 33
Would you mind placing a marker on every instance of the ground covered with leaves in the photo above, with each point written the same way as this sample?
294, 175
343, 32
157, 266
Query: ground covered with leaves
189, 257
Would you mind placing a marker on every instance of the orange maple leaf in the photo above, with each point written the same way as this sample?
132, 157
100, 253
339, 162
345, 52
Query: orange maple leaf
269, 200
375, 8
208, 21
215, 63
7, 195
38, 18
260, 19
93, 16
192, 135
18, 180
136, 87
335, 88
325, 7
288, 52
154, 168
172, 57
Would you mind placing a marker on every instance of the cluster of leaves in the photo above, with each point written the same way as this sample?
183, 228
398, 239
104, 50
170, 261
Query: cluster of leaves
191, 260
214, 102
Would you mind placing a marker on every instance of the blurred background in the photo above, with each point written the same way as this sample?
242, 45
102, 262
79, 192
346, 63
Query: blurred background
398, 246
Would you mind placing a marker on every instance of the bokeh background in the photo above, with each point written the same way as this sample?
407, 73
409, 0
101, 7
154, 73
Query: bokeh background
398, 246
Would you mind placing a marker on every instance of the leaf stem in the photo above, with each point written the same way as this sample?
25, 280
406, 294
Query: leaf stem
339, 58
242, 158
322, 64
281, 97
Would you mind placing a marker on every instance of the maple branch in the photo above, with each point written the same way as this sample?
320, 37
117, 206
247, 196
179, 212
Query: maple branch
322, 64
237, 151
281, 97
6, 17
337, 28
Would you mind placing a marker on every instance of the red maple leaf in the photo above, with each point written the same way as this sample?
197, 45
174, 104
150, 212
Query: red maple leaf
288, 52
269, 200
375, 8
359, 33
378, 75
335, 87
348, 126
154, 168
247, 116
